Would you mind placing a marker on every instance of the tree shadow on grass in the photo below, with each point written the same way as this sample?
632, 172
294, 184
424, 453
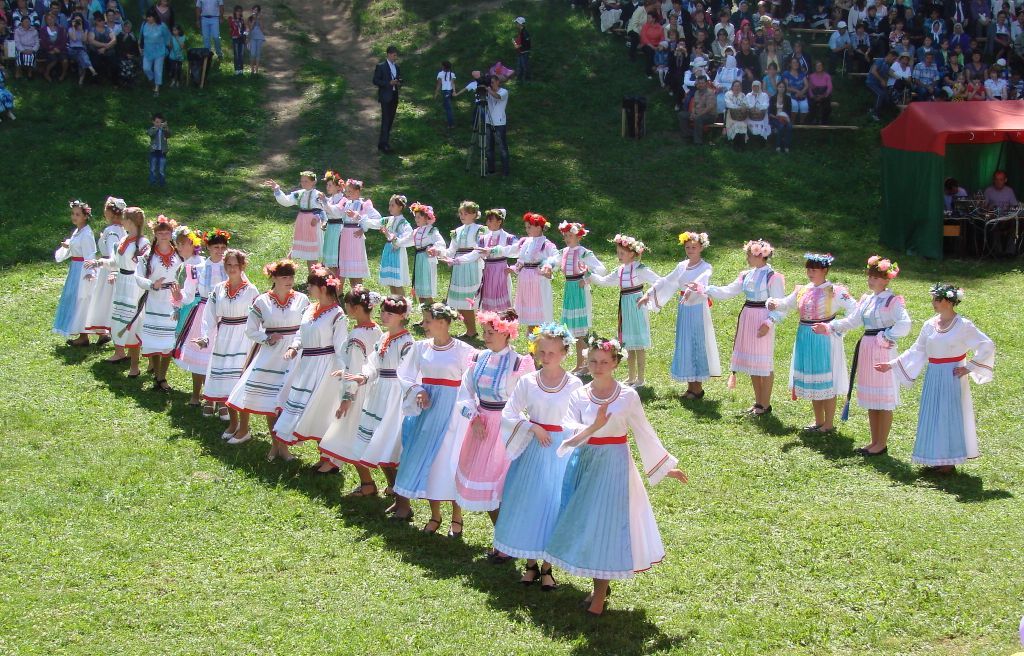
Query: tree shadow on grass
620, 630
964, 487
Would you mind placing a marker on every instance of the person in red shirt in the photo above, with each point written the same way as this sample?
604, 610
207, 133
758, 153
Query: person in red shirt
238, 32
651, 34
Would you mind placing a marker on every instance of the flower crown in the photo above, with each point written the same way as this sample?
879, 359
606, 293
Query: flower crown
216, 236
630, 243
358, 184
330, 280
116, 204
332, 176
84, 206
824, 259
163, 222
577, 229
402, 199
498, 212
699, 237
758, 248
426, 210
308, 174
947, 292
883, 266
552, 330
612, 346
395, 305
193, 236
530, 218
504, 326
440, 311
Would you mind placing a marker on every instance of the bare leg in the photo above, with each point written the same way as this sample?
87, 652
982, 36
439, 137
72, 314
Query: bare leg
456, 520
197, 387
641, 365
133, 360
401, 507
828, 414
469, 318
397, 291
598, 596
631, 357
352, 282
581, 364
819, 413
232, 421
243, 424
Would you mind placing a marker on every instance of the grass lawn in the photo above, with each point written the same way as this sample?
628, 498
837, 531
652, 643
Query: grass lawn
128, 527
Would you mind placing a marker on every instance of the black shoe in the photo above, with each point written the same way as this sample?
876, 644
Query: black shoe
455, 535
870, 454
402, 518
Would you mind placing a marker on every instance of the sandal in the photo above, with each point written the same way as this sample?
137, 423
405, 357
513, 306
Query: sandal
430, 531
123, 358
495, 557
554, 584
208, 410
395, 517
224, 413
163, 386
452, 534
358, 492
811, 428
389, 491
530, 569
103, 339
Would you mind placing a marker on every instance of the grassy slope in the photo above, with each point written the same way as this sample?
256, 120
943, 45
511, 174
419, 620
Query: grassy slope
128, 527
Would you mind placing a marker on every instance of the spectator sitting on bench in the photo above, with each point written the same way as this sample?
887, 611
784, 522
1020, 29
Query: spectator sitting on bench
999, 196
701, 110
839, 47
926, 77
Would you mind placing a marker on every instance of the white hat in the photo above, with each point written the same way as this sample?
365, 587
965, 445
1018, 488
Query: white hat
1001, 62
699, 62
521, 20
841, 24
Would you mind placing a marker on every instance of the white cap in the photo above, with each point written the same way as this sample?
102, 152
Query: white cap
1001, 62
521, 20
841, 24
699, 62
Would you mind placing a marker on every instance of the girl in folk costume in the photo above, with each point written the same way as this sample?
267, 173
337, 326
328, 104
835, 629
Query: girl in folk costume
486, 386
634, 323
340, 406
602, 492
885, 320
427, 242
123, 325
306, 236
533, 302
753, 350
432, 431
394, 263
531, 426
199, 284
97, 319
696, 355
818, 369
380, 423
464, 287
496, 284
321, 342
157, 275
946, 433
78, 287
335, 196
223, 332
271, 324
355, 211
185, 299
574, 262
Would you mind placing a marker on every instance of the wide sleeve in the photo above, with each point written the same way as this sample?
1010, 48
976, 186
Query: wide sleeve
850, 320
666, 287
373, 365
62, 253
358, 357
656, 460
573, 422
733, 289
901, 327
648, 275
141, 279
508, 251
910, 363
515, 420
610, 279
409, 379
254, 325
370, 218
287, 200
783, 306
467, 402
844, 300
594, 264
553, 261
372, 223
338, 340
404, 231
438, 242
405, 239
984, 353
208, 327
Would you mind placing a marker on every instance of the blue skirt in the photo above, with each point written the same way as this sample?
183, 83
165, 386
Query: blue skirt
6, 100
421, 439
690, 361
591, 537
940, 420
329, 249
183, 314
812, 365
634, 324
391, 267
67, 308
424, 279
531, 500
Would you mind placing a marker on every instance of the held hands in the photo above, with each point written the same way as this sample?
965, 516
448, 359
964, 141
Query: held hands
643, 300
771, 303
546, 272
423, 400
91, 264
821, 329
343, 408
176, 292
111, 279
763, 330
290, 353
358, 379
156, 284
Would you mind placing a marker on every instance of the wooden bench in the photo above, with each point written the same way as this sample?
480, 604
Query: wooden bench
806, 126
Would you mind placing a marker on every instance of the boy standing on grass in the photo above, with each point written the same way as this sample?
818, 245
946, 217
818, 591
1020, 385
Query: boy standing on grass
158, 135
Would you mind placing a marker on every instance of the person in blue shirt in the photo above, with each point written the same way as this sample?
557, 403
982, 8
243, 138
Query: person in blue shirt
926, 77
839, 47
156, 42
878, 82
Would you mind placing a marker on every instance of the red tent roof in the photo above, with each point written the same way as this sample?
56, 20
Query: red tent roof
927, 127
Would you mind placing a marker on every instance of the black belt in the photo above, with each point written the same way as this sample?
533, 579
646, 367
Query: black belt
350, 225
496, 259
285, 330
532, 265
422, 250
874, 331
464, 250
214, 16
631, 290
754, 304
388, 373
335, 221
576, 277
322, 350
811, 322
126, 272
853, 371
233, 321
318, 212
492, 405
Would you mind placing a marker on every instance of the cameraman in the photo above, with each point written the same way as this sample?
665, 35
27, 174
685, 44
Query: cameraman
497, 99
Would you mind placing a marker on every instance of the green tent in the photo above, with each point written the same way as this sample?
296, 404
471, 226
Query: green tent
932, 141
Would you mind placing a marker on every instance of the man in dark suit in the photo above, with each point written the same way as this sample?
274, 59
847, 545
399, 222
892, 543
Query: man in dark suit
387, 78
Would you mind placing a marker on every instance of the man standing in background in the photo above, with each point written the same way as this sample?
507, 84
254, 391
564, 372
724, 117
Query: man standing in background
209, 14
523, 44
387, 79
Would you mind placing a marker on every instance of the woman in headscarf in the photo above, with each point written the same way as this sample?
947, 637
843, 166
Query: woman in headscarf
736, 116
724, 78
757, 112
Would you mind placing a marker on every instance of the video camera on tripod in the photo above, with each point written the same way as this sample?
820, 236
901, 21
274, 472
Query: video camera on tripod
483, 86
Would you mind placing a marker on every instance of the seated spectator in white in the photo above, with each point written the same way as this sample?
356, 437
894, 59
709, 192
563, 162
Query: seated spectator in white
951, 192
995, 86
736, 116
900, 74
724, 78
758, 126
998, 196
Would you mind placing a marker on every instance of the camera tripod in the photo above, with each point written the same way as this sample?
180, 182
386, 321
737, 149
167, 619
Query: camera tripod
478, 140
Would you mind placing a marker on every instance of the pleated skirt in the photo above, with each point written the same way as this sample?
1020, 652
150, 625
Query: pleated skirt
158, 325
945, 421
812, 365
228, 354
751, 354
341, 440
308, 400
331, 245
533, 298
496, 287
690, 360
380, 425
577, 307
634, 323
306, 237
423, 437
424, 276
394, 267
464, 286
122, 310
259, 388
483, 464
71, 309
97, 317
186, 354
352, 262
875, 390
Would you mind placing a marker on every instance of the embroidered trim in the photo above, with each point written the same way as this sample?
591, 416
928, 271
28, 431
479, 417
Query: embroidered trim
600, 401
233, 294
553, 390
281, 304
450, 345
166, 260
320, 311
124, 243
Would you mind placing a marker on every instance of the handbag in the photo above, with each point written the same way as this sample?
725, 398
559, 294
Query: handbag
738, 114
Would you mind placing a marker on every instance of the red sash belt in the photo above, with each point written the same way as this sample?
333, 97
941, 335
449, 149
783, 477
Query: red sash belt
551, 428
442, 381
78, 259
597, 441
957, 358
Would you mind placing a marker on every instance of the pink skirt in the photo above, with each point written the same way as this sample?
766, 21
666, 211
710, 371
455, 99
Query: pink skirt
483, 463
751, 354
533, 297
875, 390
495, 295
352, 254
306, 237
186, 354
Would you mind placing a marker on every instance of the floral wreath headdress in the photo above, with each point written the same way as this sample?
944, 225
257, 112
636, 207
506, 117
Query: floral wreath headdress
330, 280
824, 260
699, 237
330, 175
84, 206
612, 346
630, 243
440, 311
426, 210
758, 248
193, 236
577, 229
162, 222
118, 205
947, 292
552, 330
217, 236
531, 218
497, 211
885, 268
508, 327
358, 184
308, 174
394, 305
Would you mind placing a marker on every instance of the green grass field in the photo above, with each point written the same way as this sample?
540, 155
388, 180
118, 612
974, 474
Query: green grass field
128, 527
